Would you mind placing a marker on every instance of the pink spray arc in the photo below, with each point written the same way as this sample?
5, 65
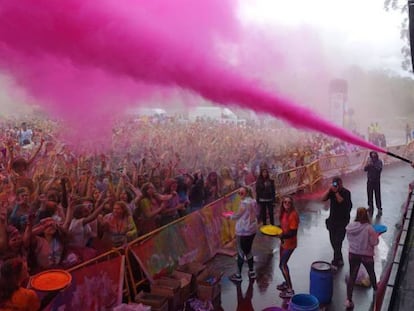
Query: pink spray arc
130, 40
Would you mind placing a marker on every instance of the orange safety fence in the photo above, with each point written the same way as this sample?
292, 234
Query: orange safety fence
290, 181
334, 165
314, 174
399, 150
356, 160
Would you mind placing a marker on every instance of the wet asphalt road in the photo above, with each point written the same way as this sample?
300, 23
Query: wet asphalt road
313, 245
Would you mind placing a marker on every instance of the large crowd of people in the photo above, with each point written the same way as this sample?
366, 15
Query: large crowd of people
63, 203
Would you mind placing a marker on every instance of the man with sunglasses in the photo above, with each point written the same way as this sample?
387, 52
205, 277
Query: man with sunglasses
339, 216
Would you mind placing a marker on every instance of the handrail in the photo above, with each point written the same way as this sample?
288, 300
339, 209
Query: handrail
387, 286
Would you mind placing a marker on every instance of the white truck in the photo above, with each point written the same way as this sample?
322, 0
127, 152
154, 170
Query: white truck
220, 114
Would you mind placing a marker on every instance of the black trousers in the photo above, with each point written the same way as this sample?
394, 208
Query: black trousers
374, 188
244, 249
354, 264
336, 237
266, 207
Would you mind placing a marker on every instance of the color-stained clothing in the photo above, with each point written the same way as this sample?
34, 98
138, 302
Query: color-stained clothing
246, 228
246, 217
22, 300
48, 254
362, 238
289, 222
143, 222
80, 233
120, 230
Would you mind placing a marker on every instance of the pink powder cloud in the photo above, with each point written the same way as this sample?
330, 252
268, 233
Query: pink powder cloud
79, 57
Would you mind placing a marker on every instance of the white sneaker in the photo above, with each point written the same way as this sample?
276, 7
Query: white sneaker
235, 277
287, 294
349, 304
252, 274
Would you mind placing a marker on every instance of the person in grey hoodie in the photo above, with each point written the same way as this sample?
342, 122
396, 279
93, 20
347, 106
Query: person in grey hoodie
362, 239
246, 228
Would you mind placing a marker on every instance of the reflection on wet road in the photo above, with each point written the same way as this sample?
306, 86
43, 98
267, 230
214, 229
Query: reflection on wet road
313, 245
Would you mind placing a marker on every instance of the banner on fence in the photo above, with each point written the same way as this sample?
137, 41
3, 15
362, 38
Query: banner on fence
179, 243
218, 229
96, 287
194, 238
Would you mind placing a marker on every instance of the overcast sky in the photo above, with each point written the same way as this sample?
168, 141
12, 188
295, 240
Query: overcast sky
363, 31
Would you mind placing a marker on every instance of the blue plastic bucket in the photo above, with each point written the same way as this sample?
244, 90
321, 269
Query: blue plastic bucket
304, 302
321, 281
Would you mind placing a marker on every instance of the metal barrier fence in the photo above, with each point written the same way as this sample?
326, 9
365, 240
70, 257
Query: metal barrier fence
195, 237
292, 180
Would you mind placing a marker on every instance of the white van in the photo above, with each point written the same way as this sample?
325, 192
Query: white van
221, 114
150, 114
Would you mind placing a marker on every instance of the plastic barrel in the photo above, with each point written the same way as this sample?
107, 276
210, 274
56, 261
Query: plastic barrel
304, 302
321, 281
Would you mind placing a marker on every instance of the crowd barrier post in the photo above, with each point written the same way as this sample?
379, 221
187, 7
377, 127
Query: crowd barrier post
135, 275
314, 174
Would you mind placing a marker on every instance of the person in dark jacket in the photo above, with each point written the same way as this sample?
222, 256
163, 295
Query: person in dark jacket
196, 194
373, 168
339, 216
265, 196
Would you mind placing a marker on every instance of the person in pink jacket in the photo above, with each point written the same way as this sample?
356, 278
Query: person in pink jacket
362, 239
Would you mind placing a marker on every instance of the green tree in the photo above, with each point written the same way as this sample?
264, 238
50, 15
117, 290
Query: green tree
402, 6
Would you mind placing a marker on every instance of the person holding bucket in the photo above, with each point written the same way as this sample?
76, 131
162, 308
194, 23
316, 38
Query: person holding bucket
362, 239
289, 222
246, 228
